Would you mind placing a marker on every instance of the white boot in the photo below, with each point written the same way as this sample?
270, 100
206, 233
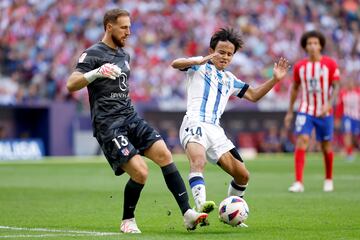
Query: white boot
296, 187
129, 226
193, 218
328, 185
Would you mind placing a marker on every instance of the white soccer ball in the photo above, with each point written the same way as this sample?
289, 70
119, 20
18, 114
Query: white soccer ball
233, 210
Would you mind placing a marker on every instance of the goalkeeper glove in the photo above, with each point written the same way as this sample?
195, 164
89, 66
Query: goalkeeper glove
108, 70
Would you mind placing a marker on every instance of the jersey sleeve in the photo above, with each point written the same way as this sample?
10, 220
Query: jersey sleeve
87, 61
296, 75
239, 87
335, 76
339, 108
192, 68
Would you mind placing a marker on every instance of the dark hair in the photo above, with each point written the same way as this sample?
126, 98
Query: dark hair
310, 34
226, 34
112, 15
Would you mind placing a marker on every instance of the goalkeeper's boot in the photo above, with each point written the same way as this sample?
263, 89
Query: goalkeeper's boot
193, 218
207, 207
296, 187
129, 226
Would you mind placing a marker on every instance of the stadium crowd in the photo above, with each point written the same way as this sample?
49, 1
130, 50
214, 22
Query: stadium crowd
42, 39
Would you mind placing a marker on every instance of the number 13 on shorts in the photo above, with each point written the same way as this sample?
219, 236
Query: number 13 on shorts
123, 141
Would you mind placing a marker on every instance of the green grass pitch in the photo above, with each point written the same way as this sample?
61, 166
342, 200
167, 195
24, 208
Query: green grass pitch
79, 198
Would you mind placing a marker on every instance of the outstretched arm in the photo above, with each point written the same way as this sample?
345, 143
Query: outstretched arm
279, 72
182, 63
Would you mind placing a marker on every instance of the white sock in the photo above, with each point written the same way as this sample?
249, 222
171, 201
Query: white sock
197, 184
236, 189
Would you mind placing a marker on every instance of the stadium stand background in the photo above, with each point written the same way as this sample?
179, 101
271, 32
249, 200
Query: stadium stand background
42, 39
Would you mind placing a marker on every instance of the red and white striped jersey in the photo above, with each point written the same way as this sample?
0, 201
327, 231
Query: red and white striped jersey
316, 79
349, 103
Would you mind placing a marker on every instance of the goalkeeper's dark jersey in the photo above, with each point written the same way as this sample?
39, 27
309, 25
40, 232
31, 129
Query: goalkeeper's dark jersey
109, 99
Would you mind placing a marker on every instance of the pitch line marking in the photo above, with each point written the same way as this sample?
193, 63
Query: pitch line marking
51, 235
64, 232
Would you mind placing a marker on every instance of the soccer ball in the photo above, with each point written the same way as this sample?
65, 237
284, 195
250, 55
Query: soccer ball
233, 210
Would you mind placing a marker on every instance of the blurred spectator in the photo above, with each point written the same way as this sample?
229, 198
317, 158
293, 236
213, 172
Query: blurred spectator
271, 142
172, 141
42, 39
8, 89
3, 134
286, 142
348, 113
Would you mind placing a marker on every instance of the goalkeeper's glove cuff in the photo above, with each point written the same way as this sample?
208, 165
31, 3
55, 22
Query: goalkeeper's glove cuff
91, 75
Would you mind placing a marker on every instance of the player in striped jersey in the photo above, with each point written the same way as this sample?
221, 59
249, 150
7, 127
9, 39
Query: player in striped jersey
209, 87
349, 108
318, 76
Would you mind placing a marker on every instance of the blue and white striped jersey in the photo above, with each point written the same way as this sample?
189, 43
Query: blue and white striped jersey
208, 91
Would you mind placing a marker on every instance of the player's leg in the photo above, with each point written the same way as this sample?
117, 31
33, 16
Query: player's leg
194, 140
159, 153
302, 143
197, 158
303, 128
151, 145
348, 144
324, 134
223, 152
137, 169
232, 163
356, 136
348, 128
123, 157
328, 153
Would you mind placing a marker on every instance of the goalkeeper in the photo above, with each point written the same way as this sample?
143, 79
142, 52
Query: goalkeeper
124, 136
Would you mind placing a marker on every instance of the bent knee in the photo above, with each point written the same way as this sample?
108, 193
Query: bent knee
302, 141
141, 175
242, 177
197, 165
164, 157
326, 149
197, 160
245, 177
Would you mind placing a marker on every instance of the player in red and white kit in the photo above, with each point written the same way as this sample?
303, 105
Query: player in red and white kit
349, 109
318, 76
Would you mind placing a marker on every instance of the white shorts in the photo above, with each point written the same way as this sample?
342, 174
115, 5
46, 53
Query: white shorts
211, 137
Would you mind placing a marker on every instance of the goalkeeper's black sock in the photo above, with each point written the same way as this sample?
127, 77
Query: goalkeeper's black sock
131, 196
176, 185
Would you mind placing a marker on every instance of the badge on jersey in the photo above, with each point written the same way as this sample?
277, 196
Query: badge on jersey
82, 57
125, 151
127, 64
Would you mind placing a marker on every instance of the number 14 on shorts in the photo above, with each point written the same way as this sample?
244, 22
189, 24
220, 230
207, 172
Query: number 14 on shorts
194, 131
